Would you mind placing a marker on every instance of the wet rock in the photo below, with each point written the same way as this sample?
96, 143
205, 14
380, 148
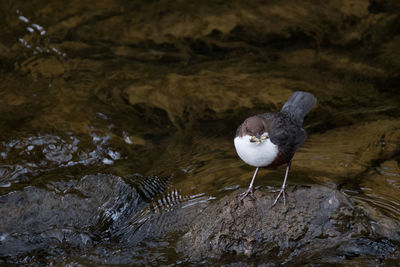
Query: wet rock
315, 219
96, 212
66, 214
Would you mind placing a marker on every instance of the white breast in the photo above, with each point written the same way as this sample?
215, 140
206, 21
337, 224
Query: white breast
255, 154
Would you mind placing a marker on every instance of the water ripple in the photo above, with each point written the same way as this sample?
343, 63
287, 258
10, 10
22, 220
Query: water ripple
27, 157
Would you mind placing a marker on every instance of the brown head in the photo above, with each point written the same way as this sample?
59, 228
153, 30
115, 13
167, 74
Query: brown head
255, 127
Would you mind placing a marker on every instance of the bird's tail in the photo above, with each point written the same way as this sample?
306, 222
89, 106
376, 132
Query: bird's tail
298, 105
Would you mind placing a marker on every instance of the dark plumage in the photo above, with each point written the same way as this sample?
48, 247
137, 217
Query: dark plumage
271, 139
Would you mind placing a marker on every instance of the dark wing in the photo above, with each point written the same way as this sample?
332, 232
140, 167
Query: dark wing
285, 133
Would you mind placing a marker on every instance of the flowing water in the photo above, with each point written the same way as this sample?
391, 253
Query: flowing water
118, 118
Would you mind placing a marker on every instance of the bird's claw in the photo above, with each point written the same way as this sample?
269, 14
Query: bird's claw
281, 193
249, 192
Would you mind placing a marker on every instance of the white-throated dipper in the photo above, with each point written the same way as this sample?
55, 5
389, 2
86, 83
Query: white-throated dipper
271, 139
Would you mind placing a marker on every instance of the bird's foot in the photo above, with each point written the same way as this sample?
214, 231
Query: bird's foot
249, 192
281, 193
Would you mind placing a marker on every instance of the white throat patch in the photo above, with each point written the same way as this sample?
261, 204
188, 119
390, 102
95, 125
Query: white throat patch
255, 154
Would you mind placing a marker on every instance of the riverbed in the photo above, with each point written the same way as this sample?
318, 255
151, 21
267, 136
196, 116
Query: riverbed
117, 119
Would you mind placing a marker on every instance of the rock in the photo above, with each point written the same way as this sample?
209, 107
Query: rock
315, 219
70, 218
68, 214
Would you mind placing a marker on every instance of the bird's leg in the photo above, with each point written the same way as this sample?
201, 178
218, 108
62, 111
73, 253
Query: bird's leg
282, 191
250, 190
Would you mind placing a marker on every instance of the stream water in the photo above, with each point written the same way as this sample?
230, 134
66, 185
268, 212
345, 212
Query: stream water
118, 118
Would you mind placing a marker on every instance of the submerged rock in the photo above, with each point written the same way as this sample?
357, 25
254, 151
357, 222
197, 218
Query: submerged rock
315, 220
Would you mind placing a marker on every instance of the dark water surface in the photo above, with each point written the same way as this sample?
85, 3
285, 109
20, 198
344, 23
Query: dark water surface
118, 118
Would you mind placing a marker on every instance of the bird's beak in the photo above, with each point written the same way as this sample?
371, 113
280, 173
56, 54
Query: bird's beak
258, 138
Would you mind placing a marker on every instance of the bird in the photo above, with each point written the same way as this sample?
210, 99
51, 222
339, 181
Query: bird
271, 139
